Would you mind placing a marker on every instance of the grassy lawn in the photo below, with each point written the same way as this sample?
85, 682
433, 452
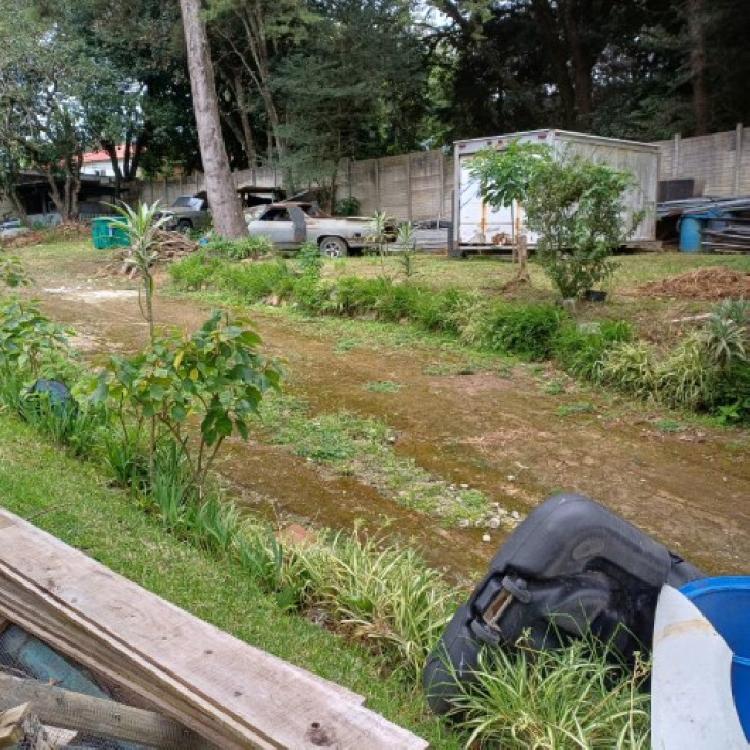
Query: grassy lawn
489, 274
73, 501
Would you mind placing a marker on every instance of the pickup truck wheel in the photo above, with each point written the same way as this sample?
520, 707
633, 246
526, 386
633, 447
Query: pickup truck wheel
184, 225
333, 247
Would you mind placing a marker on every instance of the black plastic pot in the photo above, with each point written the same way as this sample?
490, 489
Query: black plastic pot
595, 295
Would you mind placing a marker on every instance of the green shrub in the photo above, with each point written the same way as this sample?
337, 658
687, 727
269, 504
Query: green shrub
194, 272
525, 330
252, 246
255, 281
732, 399
353, 295
310, 259
580, 350
630, 368
439, 311
310, 293
687, 377
577, 697
348, 207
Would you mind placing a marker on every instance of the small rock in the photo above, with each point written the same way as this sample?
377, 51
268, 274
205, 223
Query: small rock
511, 477
464, 523
478, 524
391, 439
515, 515
494, 523
486, 538
464, 486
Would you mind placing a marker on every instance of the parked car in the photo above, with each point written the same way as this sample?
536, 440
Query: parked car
289, 224
11, 227
187, 212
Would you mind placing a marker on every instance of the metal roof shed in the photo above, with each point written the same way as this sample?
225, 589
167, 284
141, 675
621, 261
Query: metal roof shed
478, 226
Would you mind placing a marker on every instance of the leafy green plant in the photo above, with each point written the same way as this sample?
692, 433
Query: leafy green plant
581, 696
252, 246
573, 204
407, 242
255, 281
581, 349
686, 377
631, 368
732, 397
195, 272
727, 332
31, 346
215, 375
12, 272
525, 330
348, 207
378, 237
141, 224
310, 259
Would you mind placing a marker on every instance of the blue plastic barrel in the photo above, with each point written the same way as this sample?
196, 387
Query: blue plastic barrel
690, 234
725, 602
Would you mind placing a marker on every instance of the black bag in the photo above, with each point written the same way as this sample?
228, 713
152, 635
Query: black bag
571, 568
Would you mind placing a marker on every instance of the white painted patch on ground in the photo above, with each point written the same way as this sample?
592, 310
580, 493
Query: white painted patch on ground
92, 296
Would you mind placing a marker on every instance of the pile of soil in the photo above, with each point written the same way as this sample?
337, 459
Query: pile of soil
67, 232
712, 283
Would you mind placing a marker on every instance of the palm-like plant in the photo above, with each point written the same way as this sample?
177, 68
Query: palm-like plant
407, 242
141, 224
379, 236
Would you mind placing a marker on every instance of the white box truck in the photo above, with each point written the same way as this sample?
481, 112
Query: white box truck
478, 227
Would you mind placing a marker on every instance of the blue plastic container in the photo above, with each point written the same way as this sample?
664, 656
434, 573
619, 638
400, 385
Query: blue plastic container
690, 234
725, 602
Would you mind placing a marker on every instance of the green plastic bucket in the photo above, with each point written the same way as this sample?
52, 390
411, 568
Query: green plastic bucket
105, 236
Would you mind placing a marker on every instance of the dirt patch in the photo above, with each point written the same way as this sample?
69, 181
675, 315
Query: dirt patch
713, 283
67, 232
501, 435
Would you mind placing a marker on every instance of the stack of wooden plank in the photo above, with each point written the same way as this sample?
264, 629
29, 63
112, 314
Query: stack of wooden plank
231, 694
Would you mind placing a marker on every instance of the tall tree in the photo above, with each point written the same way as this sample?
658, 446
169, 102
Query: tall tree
222, 195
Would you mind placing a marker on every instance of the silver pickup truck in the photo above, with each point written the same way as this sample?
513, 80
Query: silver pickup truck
290, 224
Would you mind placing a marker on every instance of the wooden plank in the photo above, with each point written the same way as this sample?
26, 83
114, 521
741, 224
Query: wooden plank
11, 721
204, 678
98, 716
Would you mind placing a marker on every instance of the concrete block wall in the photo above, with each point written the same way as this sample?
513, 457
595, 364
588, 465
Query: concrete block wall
720, 162
407, 187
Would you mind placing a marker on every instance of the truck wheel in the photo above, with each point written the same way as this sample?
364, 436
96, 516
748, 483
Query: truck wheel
184, 225
333, 247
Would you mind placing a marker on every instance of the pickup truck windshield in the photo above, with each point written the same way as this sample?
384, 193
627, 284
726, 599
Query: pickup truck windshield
187, 201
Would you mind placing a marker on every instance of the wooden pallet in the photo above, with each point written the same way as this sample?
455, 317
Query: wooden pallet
228, 692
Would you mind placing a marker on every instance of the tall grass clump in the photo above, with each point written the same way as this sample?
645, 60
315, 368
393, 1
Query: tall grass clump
256, 281
196, 272
252, 246
630, 367
525, 330
575, 697
581, 349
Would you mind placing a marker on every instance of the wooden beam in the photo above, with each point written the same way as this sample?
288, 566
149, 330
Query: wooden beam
228, 692
98, 716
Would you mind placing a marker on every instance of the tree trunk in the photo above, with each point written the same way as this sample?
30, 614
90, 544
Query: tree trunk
696, 36
581, 63
247, 131
222, 195
549, 28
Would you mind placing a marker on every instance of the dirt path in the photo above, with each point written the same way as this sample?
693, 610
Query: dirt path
502, 435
